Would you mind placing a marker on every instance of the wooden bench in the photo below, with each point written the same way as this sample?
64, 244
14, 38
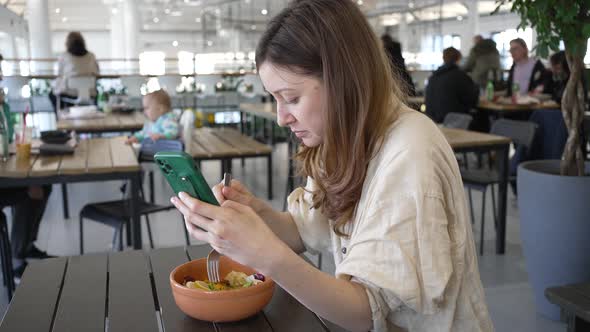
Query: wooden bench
226, 144
574, 301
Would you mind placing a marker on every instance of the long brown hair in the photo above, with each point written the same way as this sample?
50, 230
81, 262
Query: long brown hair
331, 40
75, 44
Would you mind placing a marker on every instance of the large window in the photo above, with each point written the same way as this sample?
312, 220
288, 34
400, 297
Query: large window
430, 56
152, 63
186, 63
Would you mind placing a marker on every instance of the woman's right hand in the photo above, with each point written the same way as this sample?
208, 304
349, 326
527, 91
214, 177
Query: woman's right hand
237, 192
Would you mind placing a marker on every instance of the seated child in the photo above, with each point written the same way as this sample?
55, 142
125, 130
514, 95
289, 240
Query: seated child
162, 122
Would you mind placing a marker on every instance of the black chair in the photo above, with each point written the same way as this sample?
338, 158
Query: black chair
149, 148
117, 213
6, 257
457, 120
522, 134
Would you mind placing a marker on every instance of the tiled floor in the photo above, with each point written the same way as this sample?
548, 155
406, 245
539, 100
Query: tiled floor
508, 292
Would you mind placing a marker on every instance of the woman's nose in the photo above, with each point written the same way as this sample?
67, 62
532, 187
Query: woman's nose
284, 117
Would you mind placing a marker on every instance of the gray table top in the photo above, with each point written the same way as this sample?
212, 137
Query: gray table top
130, 291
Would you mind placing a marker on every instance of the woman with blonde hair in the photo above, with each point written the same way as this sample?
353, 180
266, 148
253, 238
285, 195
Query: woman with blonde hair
383, 192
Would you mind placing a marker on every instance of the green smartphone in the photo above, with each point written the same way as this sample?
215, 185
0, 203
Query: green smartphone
182, 175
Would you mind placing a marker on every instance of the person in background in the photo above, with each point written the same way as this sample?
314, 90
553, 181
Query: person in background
162, 123
482, 60
76, 61
450, 89
383, 195
393, 49
560, 71
29, 205
560, 75
529, 72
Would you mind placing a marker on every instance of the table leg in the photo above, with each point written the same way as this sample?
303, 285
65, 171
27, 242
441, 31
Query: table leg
576, 324
502, 199
134, 209
242, 122
264, 130
290, 183
151, 182
64, 195
269, 166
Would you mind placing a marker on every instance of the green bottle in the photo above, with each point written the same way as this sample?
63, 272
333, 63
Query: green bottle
515, 92
490, 90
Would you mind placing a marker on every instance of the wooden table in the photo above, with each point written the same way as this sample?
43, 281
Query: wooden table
114, 122
226, 144
504, 108
416, 102
266, 111
99, 159
472, 141
130, 291
262, 110
574, 301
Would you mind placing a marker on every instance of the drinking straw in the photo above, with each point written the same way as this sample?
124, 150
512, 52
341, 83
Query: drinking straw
24, 129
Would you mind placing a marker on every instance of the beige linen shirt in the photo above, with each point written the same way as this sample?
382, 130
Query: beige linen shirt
69, 66
410, 244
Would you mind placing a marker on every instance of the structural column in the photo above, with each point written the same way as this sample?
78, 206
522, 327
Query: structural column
117, 32
473, 25
403, 31
131, 27
14, 47
39, 34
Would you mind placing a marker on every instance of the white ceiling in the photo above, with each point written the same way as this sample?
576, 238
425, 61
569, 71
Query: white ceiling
187, 15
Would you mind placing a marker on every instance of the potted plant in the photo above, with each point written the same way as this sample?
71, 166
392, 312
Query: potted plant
553, 194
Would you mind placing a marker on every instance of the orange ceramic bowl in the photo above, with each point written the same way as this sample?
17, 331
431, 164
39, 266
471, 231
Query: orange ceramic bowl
218, 306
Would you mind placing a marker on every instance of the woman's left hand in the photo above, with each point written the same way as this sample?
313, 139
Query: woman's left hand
233, 229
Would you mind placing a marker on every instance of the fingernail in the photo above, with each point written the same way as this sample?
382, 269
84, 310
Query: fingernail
182, 195
173, 199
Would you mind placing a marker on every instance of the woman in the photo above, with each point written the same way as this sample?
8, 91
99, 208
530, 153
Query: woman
393, 49
384, 192
76, 61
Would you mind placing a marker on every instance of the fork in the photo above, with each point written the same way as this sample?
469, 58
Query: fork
213, 257
213, 266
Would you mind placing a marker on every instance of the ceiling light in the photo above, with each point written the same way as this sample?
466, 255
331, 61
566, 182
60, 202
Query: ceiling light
175, 43
156, 20
167, 10
264, 11
411, 4
209, 43
64, 19
57, 10
247, 1
459, 18
253, 27
198, 20
114, 11
360, 2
